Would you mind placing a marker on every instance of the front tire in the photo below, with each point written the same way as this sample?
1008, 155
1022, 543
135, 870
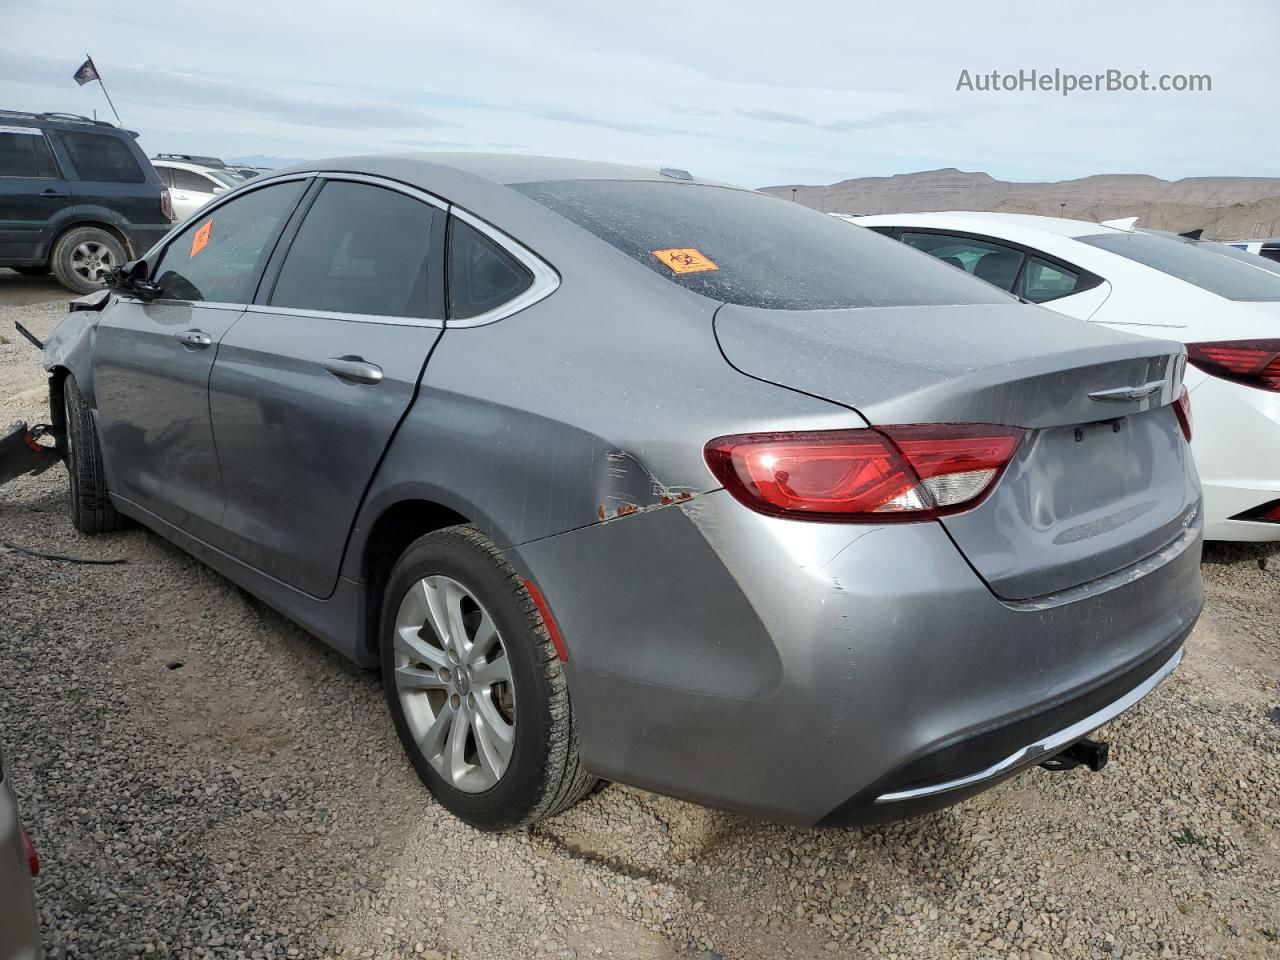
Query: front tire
474, 684
82, 256
91, 508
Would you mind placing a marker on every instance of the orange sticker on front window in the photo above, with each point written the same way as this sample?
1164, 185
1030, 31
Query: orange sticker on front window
685, 260
200, 239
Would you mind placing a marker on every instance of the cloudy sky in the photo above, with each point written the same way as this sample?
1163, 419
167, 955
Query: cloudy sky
751, 92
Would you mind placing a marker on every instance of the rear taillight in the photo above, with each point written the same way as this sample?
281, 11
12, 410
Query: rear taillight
1182, 407
1255, 363
166, 203
881, 475
1268, 512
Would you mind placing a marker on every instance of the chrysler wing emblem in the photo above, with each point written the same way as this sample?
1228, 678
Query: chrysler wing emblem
1124, 394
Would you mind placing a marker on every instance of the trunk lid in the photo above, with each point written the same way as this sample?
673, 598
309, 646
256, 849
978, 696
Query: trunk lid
1095, 486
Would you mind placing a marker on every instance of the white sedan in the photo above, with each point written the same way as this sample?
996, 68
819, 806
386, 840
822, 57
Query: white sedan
1224, 308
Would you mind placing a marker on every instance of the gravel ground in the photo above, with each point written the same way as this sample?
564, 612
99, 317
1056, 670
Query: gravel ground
203, 779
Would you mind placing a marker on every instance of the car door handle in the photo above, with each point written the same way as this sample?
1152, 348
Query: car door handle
195, 339
53, 192
354, 370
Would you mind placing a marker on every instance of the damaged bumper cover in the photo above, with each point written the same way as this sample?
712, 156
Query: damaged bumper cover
802, 672
21, 452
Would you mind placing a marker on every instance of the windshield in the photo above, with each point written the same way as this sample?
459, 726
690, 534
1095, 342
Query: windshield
742, 247
225, 177
1226, 276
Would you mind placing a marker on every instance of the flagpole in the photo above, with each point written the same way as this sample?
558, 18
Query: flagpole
104, 90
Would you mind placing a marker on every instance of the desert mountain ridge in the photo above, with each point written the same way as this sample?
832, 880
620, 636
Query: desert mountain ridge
1224, 207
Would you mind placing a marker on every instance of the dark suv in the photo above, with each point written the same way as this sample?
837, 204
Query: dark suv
77, 196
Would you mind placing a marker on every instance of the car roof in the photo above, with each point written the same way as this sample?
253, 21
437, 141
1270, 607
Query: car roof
184, 165
975, 221
501, 168
59, 121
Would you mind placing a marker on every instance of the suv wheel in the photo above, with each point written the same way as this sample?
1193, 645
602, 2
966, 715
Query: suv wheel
83, 255
474, 685
91, 508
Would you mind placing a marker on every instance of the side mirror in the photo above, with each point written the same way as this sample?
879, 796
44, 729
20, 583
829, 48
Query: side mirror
131, 280
218, 190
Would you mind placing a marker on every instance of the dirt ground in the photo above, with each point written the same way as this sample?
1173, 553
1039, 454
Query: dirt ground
203, 779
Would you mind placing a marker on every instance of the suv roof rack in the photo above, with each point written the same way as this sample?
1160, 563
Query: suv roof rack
53, 115
192, 158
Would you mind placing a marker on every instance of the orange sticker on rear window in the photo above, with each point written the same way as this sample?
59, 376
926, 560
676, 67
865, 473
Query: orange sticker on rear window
200, 239
685, 260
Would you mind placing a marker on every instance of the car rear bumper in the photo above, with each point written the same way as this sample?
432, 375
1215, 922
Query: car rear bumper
905, 794
780, 669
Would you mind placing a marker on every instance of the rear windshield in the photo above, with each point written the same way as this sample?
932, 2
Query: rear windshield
1255, 260
747, 248
1225, 276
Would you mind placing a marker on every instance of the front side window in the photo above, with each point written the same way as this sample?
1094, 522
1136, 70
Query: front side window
1043, 281
101, 157
992, 262
742, 247
25, 153
191, 182
1209, 271
361, 249
220, 256
482, 276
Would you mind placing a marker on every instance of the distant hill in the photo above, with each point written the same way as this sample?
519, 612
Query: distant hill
1224, 207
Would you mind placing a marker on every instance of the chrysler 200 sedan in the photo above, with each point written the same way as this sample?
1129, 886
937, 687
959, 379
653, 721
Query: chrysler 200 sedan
622, 474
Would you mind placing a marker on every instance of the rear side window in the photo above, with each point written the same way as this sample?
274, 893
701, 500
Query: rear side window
996, 264
219, 256
1225, 276
1043, 281
482, 276
361, 249
25, 153
102, 157
742, 247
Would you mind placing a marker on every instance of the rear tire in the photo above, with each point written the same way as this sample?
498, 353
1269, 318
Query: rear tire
431, 681
91, 508
83, 255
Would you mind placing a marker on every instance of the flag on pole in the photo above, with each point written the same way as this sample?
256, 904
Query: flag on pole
86, 73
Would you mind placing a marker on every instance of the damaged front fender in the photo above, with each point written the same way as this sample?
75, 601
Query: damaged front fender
70, 346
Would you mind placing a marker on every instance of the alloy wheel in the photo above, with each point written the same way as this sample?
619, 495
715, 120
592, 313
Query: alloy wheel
454, 682
90, 260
